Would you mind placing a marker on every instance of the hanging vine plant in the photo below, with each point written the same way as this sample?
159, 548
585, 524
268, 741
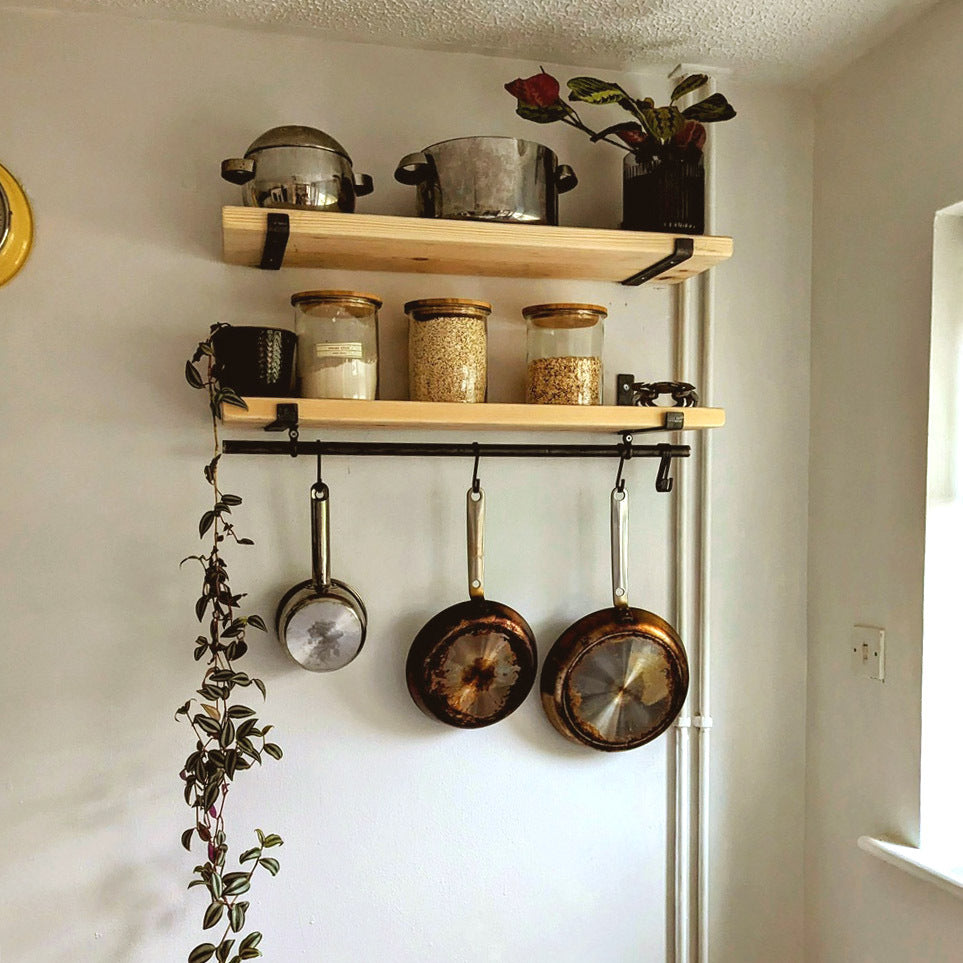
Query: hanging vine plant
230, 737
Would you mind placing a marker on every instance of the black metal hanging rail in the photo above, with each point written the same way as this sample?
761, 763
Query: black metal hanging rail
626, 451
429, 450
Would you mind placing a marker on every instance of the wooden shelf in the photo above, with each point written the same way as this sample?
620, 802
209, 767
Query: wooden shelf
375, 242
315, 413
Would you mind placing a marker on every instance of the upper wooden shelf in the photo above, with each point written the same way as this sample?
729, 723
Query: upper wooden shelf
376, 242
330, 413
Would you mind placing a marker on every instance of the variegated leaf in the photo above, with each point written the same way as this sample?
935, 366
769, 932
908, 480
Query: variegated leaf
688, 84
541, 115
711, 110
593, 91
665, 122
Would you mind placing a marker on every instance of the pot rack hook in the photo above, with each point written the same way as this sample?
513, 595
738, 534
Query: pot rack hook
475, 482
320, 482
625, 453
663, 483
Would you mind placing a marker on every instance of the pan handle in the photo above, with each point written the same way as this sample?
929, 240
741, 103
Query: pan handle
476, 543
620, 562
320, 536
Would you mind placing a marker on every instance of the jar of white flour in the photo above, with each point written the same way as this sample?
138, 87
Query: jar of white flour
337, 344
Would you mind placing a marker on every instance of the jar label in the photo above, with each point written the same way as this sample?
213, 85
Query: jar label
339, 349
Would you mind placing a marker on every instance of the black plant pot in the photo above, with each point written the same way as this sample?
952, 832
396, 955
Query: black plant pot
256, 362
663, 189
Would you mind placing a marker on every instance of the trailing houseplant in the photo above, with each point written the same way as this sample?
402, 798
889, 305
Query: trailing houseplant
229, 735
663, 173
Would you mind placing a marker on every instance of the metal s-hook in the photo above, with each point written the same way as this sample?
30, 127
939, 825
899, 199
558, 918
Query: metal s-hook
663, 483
475, 482
319, 468
625, 453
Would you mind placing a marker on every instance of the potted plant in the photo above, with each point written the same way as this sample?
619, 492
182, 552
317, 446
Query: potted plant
663, 172
228, 736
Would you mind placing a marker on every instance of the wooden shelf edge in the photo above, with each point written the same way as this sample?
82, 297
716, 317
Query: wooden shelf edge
325, 413
381, 242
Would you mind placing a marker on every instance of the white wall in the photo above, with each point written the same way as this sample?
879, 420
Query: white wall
888, 157
405, 840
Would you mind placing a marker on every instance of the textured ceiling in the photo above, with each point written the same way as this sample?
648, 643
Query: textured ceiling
794, 41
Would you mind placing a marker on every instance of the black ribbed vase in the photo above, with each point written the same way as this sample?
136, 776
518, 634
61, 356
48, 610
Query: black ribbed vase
663, 189
257, 362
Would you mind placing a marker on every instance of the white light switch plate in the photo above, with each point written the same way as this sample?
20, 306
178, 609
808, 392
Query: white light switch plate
868, 651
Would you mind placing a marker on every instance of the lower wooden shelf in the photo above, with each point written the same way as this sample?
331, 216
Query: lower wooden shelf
329, 413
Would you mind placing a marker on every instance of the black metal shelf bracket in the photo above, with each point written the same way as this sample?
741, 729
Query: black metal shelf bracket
286, 419
275, 240
683, 250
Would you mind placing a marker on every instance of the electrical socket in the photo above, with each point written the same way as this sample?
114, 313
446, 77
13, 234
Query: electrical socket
868, 644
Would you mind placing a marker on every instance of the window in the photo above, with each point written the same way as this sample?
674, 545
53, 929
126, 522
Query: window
941, 789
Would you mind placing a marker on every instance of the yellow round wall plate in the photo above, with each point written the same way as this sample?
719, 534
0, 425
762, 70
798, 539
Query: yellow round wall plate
16, 226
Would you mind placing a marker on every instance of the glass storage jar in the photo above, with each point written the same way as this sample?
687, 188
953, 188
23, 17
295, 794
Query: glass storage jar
447, 349
564, 354
337, 344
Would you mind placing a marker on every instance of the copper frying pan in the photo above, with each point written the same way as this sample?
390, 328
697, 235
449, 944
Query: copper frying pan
474, 663
617, 678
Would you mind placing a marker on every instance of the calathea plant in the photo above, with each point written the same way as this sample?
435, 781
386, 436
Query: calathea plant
539, 101
229, 736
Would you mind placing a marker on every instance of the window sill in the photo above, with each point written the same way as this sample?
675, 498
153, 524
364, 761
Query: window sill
935, 868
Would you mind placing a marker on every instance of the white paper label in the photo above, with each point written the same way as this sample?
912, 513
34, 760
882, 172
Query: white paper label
339, 349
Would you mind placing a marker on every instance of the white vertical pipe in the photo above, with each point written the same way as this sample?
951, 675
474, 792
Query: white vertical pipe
704, 717
695, 501
683, 765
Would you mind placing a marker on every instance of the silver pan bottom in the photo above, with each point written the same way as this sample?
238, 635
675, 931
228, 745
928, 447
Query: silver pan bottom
324, 634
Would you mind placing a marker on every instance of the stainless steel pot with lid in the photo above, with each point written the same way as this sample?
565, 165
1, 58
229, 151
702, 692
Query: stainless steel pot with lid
297, 167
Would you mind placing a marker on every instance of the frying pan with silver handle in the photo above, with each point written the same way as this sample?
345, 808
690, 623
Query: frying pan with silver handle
474, 663
321, 622
615, 679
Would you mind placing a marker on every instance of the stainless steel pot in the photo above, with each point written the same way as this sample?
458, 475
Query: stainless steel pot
297, 167
488, 179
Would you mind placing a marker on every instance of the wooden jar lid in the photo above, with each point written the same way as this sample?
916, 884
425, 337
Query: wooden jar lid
564, 315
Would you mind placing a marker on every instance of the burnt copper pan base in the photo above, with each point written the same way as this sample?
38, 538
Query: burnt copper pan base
472, 664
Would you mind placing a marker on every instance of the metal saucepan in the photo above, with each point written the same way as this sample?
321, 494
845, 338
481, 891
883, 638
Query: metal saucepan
488, 179
321, 622
297, 167
617, 678
474, 663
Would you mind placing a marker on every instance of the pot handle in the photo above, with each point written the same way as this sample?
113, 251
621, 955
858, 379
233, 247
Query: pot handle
565, 179
363, 184
620, 564
412, 168
320, 536
238, 170
476, 543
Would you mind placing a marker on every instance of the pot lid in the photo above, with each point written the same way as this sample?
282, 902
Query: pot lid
296, 136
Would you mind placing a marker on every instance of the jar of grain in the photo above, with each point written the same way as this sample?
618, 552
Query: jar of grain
564, 354
447, 349
337, 343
